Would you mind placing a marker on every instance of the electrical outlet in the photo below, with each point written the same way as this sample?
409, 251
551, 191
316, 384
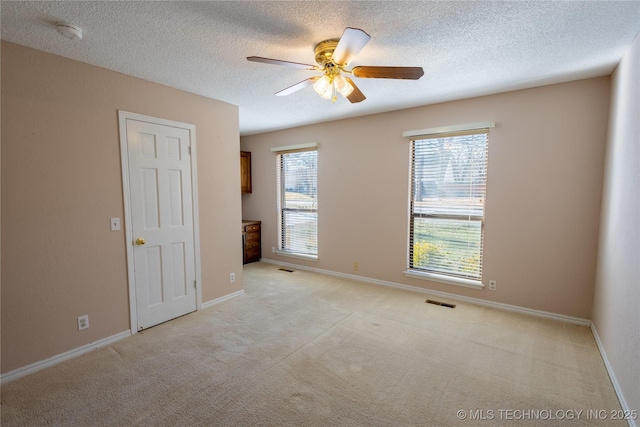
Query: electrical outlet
232, 277
492, 285
83, 322
356, 266
273, 249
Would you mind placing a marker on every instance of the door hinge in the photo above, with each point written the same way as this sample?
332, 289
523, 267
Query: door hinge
189, 150
195, 284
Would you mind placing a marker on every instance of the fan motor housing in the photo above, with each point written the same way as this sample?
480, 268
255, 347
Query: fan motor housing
324, 51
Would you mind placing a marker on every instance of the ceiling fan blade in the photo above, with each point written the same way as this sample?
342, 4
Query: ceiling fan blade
356, 95
350, 44
410, 73
296, 87
279, 62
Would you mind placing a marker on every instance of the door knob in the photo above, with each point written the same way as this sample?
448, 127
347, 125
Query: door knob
140, 241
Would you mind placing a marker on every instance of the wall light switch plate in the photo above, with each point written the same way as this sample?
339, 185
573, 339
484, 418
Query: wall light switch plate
115, 224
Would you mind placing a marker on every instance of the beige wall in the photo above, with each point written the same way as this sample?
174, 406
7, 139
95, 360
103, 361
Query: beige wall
61, 182
616, 309
543, 198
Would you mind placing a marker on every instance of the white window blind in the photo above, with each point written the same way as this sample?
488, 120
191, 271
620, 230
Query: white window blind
297, 174
448, 188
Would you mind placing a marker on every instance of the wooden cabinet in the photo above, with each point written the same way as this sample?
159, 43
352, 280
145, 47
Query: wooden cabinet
245, 172
251, 241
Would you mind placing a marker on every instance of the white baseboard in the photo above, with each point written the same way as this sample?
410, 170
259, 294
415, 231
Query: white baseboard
37, 366
477, 301
612, 376
222, 299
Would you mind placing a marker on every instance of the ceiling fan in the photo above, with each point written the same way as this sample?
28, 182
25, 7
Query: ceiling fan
333, 56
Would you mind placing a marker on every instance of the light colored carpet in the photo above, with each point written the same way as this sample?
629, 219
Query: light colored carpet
305, 349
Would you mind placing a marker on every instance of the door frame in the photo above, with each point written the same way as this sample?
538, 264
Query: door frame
129, 239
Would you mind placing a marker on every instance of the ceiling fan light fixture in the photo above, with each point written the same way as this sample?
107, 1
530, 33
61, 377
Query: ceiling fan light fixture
342, 85
324, 87
332, 56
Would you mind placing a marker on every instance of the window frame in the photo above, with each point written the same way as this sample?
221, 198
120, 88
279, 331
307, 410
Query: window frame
435, 274
281, 201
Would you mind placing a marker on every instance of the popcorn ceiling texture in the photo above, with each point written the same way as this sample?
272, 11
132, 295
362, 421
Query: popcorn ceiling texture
466, 48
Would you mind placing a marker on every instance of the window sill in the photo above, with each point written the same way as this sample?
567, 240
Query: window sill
299, 256
457, 281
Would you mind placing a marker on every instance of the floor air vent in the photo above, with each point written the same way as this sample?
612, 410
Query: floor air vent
286, 269
443, 304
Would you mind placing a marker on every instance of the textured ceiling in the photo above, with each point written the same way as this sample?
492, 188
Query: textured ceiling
466, 48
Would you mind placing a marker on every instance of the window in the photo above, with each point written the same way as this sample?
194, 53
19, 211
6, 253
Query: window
298, 203
448, 187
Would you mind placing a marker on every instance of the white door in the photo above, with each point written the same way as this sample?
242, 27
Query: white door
161, 221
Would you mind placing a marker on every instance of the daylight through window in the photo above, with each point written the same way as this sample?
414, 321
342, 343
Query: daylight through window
448, 187
298, 203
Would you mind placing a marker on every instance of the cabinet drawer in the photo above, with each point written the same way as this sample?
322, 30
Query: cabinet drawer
251, 244
252, 227
252, 236
252, 254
